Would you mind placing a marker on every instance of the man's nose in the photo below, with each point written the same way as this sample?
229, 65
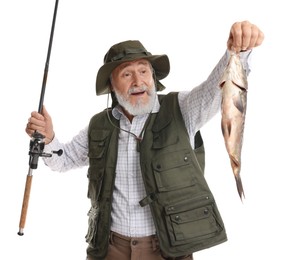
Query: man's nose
137, 81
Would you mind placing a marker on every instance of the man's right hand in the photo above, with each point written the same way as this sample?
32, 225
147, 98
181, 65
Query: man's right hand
41, 123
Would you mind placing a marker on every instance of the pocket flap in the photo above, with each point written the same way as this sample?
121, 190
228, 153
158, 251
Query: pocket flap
97, 143
194, 203
191, 215
171, 160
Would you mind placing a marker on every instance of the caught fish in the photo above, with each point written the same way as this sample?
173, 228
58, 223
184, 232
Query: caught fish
234, 87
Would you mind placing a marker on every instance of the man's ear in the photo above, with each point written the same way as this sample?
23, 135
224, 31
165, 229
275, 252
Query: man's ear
110, 85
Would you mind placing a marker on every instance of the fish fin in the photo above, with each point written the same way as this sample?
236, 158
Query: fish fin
222, 83
238, 103
226, 129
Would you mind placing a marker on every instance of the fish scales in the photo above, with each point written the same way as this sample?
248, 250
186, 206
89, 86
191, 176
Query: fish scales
234, 87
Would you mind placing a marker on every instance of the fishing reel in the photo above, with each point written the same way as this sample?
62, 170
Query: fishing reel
36, 148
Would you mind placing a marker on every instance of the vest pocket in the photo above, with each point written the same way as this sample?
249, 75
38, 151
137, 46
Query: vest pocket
193, 221
95, 184
97, 143
173, 171
93, 215
97, 151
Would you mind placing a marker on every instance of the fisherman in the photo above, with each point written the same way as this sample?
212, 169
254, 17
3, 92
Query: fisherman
149, 199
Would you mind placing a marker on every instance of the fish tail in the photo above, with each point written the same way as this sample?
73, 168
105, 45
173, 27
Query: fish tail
239, 186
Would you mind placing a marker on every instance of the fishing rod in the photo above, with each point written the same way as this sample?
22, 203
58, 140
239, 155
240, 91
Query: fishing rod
37, 144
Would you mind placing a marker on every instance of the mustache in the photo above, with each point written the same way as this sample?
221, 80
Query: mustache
139, 89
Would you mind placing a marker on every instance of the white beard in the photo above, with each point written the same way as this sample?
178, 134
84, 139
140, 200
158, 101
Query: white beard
139, 108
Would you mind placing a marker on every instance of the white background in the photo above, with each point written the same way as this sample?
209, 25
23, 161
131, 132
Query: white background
193, 34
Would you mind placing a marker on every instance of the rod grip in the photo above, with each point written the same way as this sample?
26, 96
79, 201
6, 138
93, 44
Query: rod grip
25, 204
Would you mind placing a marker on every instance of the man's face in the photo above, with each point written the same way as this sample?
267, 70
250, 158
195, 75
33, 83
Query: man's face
134, 86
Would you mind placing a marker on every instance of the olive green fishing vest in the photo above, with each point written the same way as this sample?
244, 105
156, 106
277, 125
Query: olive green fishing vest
184, 210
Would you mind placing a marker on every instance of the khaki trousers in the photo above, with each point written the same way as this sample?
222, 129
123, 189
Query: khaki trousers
139, 248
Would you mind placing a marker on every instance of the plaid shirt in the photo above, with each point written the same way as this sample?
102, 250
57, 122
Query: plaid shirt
128, 217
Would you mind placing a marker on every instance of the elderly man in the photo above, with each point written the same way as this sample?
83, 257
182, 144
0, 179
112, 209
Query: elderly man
149, 199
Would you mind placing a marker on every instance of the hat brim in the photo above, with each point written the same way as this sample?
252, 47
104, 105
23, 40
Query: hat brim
160, 64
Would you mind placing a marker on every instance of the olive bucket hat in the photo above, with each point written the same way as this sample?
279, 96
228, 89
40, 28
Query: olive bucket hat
128, 51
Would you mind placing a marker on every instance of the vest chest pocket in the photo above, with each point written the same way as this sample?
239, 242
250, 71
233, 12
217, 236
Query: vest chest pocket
97, 154
192, 221
173, 171
162, 136
97, 143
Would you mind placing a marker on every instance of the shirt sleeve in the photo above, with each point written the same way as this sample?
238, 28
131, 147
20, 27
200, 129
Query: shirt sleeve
75, 153
200, 104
